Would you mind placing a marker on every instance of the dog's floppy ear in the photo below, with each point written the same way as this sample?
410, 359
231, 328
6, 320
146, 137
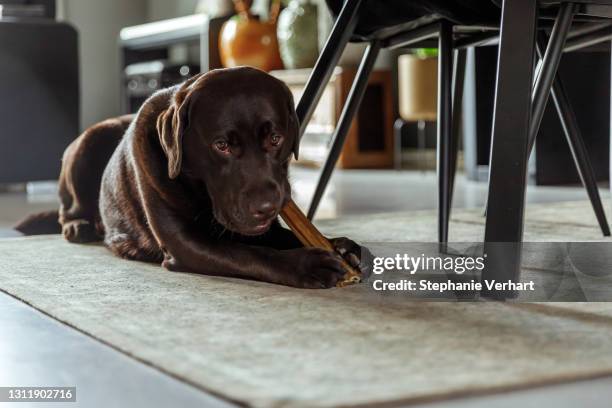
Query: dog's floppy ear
171, 125
170, 128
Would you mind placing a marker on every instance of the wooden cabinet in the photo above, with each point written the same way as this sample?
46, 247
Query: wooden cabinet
369, 143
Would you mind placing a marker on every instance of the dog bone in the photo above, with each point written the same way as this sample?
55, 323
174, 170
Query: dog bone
310, 237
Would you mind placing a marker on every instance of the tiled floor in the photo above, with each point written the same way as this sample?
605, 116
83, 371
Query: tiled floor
37, 350
370, 192
349, 193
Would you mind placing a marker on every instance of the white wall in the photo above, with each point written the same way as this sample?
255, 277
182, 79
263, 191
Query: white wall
98, 23
161, 9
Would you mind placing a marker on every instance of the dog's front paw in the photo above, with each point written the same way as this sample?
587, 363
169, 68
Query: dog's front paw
313, 268
171, 264
80, 231
357, 256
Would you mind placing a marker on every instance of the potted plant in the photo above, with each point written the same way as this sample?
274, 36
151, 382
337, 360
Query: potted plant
418, 84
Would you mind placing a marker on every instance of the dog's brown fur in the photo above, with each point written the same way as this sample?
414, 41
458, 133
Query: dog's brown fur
79, 184
198, 159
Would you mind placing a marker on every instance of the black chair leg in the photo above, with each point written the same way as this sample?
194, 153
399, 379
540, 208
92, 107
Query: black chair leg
445, 130
349, 110
510, 138
573, 135
548, 70
547, 82
328, 59
458, 83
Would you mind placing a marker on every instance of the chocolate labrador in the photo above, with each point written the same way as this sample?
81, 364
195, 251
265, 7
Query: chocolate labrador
195, 181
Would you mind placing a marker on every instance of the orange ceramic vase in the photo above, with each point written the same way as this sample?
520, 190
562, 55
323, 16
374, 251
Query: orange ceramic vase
245, 40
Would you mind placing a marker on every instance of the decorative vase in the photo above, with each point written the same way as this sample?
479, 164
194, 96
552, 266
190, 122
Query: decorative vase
245, 40
298, 34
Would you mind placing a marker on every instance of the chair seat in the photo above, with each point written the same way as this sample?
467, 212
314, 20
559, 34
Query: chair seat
381, 14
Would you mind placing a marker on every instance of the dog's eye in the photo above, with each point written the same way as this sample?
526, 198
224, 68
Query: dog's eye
222, 146
276, 140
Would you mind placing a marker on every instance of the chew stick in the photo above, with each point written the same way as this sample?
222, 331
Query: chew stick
310, 236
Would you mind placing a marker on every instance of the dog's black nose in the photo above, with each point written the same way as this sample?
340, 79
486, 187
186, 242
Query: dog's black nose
262, 210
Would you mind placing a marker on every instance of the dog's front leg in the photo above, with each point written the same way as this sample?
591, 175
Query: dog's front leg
189, 252
279, 237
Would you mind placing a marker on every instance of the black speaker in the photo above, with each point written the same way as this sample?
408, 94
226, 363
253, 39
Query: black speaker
39, 98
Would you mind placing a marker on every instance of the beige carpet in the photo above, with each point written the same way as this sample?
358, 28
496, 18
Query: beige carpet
271, 346
568, 221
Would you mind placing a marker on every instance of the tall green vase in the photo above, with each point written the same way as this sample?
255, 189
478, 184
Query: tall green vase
297, 34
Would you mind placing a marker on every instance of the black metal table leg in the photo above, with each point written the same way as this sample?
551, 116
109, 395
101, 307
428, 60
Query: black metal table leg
349, 110
445, 129
577, 147
508, 170
328, 59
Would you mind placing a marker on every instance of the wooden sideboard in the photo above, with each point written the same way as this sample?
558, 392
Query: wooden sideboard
369, 143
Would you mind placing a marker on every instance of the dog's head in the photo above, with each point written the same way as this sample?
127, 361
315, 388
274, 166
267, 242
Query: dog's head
234, 130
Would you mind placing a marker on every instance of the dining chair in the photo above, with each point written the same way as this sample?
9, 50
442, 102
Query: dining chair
518, 111
393, 24
519, 102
